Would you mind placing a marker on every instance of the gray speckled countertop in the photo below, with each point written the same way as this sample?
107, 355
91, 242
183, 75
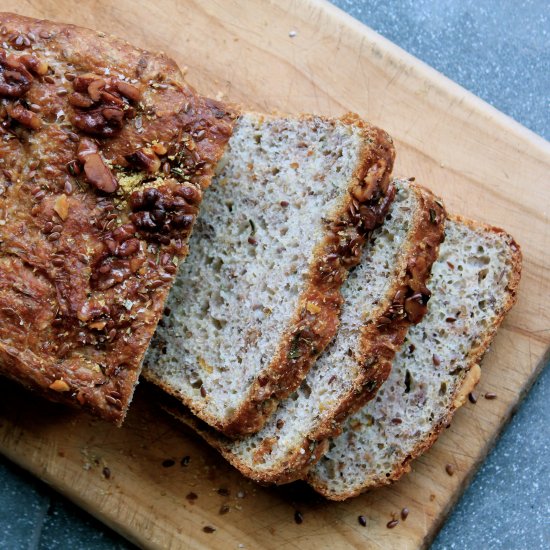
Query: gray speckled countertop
499, 50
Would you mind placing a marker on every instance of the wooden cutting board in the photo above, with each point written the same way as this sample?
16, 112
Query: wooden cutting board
304, 56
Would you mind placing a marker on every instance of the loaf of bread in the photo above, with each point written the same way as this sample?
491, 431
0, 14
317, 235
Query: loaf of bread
473, 283
383, 296
105, 153
259, 297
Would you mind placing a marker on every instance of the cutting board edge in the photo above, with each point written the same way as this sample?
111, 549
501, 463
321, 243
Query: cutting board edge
484, 451
445, 84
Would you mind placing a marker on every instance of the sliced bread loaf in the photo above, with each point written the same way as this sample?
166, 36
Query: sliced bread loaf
259, 297
474, 284
383, 295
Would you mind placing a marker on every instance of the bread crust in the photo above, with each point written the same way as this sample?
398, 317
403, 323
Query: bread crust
86, 121
379, 343
474, 358
316, 318
221, 443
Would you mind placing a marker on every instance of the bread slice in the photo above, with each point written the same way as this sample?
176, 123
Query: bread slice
383, 295
474, 284
91, 227
259, 297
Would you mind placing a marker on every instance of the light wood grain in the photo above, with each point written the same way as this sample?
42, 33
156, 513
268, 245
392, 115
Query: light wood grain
483, 164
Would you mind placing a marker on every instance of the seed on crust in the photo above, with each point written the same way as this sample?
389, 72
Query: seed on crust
60, 386
391, 524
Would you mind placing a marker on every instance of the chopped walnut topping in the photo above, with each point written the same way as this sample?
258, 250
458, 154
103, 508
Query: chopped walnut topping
162, 209
145, 159
32, 63
100, 105
98, 174
415, 307
129, 91
81, 101
94, 89
24, 116
15, 79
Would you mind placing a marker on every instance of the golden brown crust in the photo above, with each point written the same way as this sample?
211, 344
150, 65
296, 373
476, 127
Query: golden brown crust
316, 319
105, 155
474, 359
384, 334
221, 443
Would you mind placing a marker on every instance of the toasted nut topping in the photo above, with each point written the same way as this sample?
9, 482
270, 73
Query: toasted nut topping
146, 159
365, 191
61, 206
415, 308
94, 122
81, 82
127, 90
24, 116
113, 114
111, 98
127, 248
77, 99
15, 80
85, 148
95, 87
59, 386
37, 66
97, 172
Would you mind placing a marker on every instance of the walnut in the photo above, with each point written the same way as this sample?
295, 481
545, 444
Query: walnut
168, 208
127, 90
145, 159
82, 101
101, 104
416, 307
96, 123
15, 79
98, 174
34, 64
24, 116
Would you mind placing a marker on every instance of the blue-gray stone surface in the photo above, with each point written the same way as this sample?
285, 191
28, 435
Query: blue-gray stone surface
499, 50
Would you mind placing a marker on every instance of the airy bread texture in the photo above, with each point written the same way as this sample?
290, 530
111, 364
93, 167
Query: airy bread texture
375, 317
259, 297
474, 283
